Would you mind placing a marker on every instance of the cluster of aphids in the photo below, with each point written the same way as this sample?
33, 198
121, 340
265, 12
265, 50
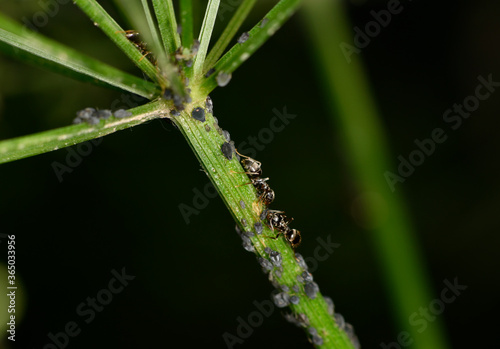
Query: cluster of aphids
276, 219
93, 116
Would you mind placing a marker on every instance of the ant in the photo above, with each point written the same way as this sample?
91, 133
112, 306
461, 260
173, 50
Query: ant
279, 221
134, 37
253, 169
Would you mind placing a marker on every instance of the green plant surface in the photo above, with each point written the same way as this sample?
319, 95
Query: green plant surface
37, 49
164, 10
109, 26
205, 138
43, 142
228, 34
355, 113
258, 35
232, 184
206, 33
186, 14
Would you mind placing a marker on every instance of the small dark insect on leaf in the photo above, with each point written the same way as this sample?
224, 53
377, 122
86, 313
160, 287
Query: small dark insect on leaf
198, 114
227, 150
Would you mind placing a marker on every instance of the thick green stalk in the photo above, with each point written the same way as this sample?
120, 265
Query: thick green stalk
206, 139
355, 113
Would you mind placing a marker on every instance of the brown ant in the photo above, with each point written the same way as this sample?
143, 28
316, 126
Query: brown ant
135, 38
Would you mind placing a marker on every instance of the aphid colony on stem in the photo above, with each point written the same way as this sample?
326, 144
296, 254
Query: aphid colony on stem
276, 219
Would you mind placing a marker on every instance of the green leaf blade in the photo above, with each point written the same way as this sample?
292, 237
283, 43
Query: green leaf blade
167, 23
44, 142
228, 34
258, 35
109, 26
18, 42
205, 35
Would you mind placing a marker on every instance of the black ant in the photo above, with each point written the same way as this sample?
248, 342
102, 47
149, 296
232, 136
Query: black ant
253, 169
279, 221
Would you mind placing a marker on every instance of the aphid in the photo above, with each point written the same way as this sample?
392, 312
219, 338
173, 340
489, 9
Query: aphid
207, 128
244, 37
264, 263
264, 22
349, 329
285, 288
223, 78
216, 121
242, 204
168, 94
93, 120
312, 330
238, 230
195, 47
122, 113
227, 150
179, 29
339, 320
209, 105
311, 289
276, 258
244, 222
278, 273
226, 135
104, 114
331, 306
247, 244
300, 261
210, 72
175, 112
86, 113
249, 233
307, 276
267, 250
198, 114
296, 288
281, 299
263, 215
77, 120
294, 300
317, 340
258, 227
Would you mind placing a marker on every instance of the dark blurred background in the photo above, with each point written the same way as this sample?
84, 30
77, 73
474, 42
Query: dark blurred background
119, 207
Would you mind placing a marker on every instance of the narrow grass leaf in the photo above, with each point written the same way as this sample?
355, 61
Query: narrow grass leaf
186, 14
44, 142
109, 26
228, 34
167, 23
259, 34
206, 33
34, 48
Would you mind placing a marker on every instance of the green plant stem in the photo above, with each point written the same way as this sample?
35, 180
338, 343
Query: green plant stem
231, 183
228, 34
44, 142
258, 35
354, 111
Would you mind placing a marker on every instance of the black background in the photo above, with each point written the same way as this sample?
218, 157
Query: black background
119, 207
